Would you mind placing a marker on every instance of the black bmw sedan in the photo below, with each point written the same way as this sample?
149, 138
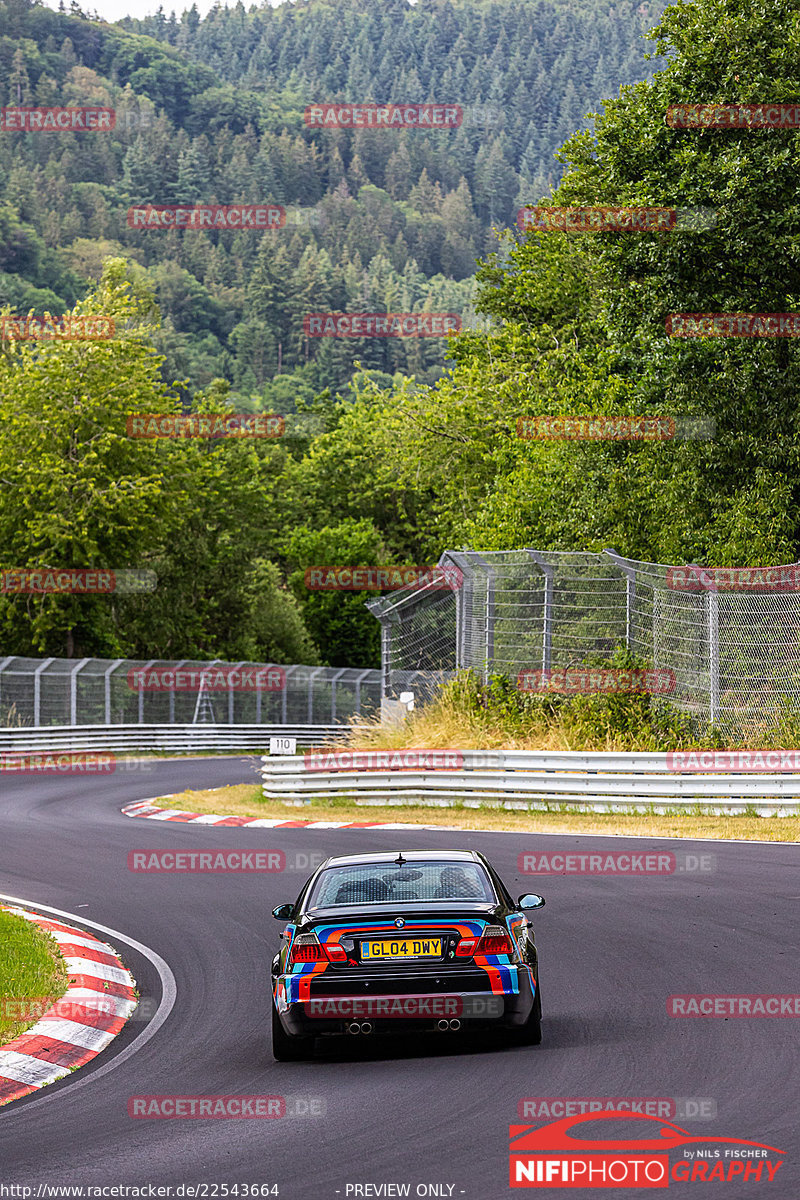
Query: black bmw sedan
420, 940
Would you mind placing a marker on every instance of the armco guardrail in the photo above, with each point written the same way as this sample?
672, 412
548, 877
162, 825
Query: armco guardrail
182, 739
525, 779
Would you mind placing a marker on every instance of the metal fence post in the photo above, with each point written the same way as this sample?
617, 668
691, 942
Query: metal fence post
311, 679
713, 655
358, 692
285, 696
657, 603
37, 691
547, 609
489, 616
630, 596
73, 690
630, 604
178, 666
9, 658
107, 687
230, 693
386, 658
142, 674
338, 675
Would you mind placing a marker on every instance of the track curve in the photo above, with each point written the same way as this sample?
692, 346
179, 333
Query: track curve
612, 950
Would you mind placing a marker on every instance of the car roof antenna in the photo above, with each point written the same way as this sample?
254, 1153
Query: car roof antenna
399, 861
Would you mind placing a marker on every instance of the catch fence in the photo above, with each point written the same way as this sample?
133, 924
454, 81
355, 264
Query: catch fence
37, 693
728, 641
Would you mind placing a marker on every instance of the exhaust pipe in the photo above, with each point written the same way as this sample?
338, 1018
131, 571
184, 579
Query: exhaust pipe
455, 1024
366, 1027
443, 1025
359, 1027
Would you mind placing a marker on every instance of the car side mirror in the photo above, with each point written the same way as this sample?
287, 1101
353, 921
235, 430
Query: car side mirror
531, 900
283, 912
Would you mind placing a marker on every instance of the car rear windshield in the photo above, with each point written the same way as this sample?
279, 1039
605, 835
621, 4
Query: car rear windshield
385, 883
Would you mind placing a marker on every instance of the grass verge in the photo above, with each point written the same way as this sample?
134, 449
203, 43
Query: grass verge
244, 800
470, 714
32, 975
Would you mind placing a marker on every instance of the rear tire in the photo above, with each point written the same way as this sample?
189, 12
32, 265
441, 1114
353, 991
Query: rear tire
530, 1034
285, 1047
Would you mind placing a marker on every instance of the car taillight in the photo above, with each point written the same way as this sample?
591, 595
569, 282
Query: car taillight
495, 940
306, 949
466, 947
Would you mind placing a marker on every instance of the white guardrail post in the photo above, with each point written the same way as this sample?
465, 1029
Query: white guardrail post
719, 781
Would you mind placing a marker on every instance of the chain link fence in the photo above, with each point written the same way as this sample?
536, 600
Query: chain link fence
730, 638
91, 691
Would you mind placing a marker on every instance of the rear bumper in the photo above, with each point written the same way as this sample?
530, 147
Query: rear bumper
393, 1010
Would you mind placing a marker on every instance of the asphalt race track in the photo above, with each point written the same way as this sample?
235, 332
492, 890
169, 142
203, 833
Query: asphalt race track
612, 950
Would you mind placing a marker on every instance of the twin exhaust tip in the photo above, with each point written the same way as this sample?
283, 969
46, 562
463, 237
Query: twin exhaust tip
444, 1026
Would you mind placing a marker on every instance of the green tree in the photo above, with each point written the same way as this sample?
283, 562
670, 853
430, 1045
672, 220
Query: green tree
346, 633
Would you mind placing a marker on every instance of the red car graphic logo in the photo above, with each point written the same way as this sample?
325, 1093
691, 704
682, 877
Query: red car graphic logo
558, 1136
